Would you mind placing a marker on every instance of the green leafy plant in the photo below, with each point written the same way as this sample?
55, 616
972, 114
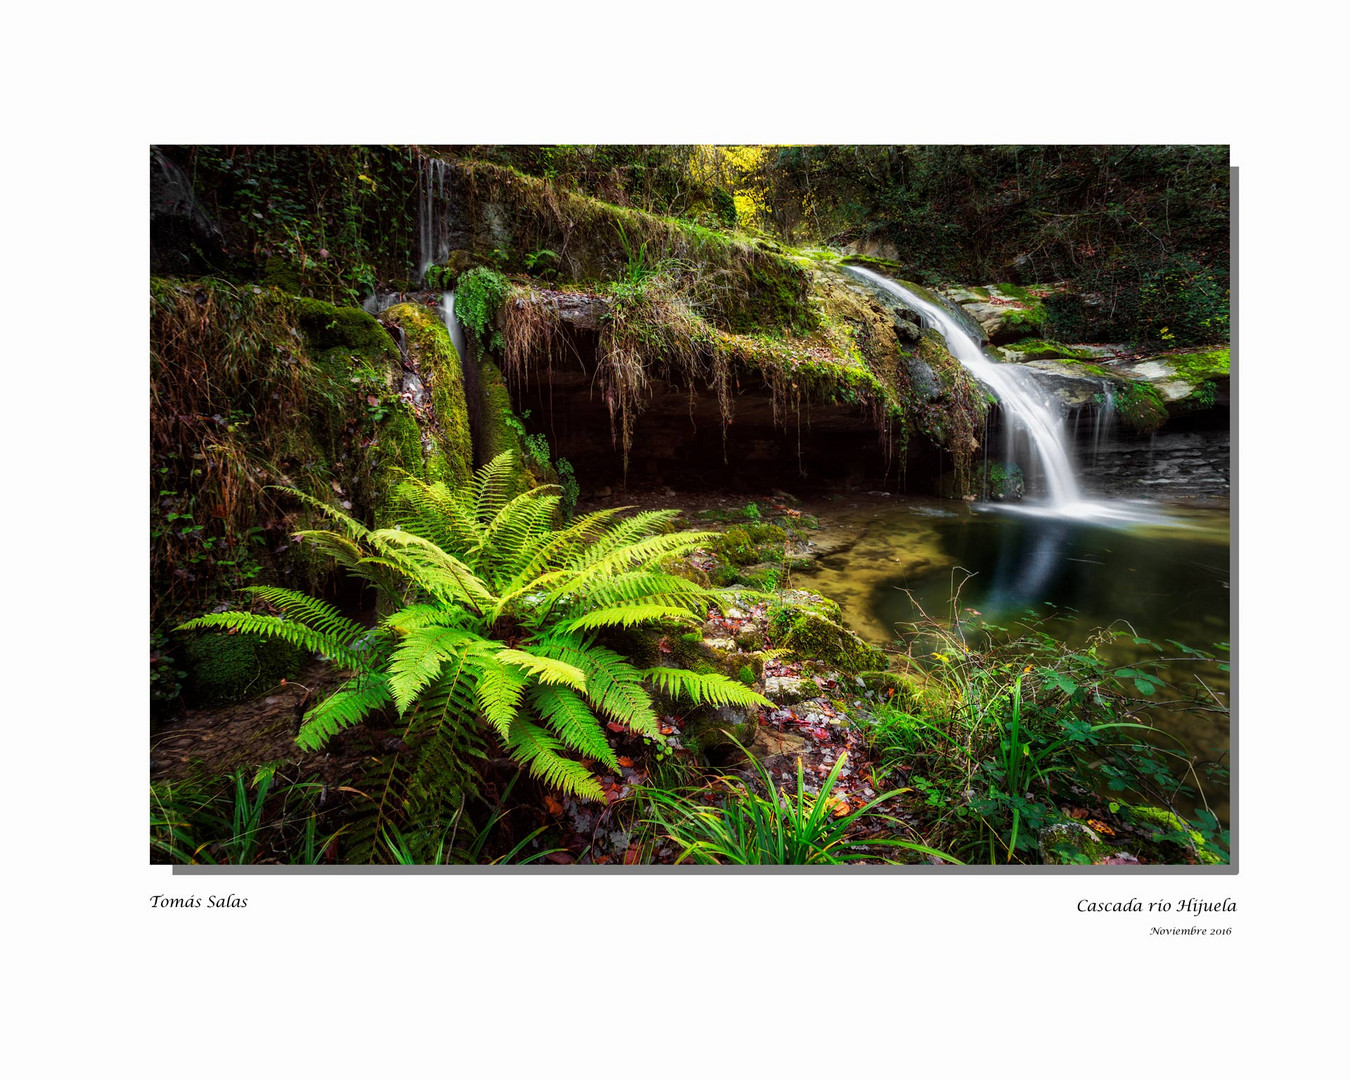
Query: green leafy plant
750, 829
542, 263
1003, 735
497, 628
478, 297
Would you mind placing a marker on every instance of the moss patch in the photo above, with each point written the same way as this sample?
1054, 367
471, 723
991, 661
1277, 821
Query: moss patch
327, 326
740, 283
1140, 406
1037, 349
224, 669
1200, 366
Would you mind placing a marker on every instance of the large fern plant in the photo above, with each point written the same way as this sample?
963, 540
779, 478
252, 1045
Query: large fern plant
496, 627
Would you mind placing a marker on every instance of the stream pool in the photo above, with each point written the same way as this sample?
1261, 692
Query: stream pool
1162, 574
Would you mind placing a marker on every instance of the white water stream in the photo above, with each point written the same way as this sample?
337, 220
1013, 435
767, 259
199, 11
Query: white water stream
1028, 408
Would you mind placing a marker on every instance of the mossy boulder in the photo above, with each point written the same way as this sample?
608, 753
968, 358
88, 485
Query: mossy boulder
713, 733
811, 634
751, 543
224, 669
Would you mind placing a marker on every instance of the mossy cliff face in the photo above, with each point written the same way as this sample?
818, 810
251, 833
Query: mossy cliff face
251, 390
506, 219
638, 349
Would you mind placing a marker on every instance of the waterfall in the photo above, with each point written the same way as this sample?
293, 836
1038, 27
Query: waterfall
1030, 410
432, 182
1033, 415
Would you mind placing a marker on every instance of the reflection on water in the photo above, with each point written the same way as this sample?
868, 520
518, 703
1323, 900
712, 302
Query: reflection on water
1164, 583
1163, 577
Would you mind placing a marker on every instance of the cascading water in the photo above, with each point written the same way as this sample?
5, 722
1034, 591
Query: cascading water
1029, 409
1025, 405
432, 181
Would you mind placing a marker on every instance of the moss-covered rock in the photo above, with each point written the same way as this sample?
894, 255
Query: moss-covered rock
224, 669
327, 326
434, 360
1140, 406
814, 632
713, 733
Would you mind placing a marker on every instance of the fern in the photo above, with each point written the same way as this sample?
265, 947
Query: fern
298, 634
495, 611
704, 689
351, 703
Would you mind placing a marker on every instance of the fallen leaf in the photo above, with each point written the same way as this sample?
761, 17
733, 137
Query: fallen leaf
626, 762
552, 805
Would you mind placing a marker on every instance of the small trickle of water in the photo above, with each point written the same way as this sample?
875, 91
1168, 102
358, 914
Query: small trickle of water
447, 310
377, 302
1103, 420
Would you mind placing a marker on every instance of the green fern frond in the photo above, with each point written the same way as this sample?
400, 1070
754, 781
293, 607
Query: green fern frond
312, 612
626, 616
437, 571
498, 689
704, 689
638, 555
540, 753
648, 585
521, 527
345, 707
544, 668
246, 622
416, 616
352, 528
494, 485
560, 547
419, 657
631, 530
566, 713
448, 704
613, 685
438, 514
